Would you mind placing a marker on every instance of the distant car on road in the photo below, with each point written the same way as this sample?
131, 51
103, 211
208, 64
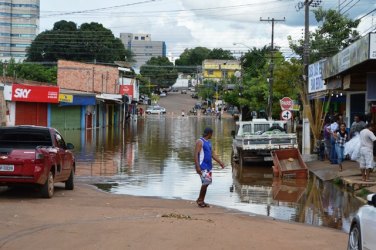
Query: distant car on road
162, 94
363, 226
183, 91
155, 110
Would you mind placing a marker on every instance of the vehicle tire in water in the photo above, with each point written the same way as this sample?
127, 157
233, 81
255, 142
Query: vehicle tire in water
240, 160
69, 184
48, 188
354, 242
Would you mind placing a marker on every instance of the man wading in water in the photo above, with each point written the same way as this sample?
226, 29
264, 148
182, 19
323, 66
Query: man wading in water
203, 162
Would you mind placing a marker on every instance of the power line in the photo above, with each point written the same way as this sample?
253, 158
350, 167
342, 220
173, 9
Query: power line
105, 8
167, 11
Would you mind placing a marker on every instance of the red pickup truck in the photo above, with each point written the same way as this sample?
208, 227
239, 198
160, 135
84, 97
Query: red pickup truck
35, 155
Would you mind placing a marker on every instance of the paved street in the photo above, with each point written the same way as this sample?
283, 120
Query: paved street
175, 103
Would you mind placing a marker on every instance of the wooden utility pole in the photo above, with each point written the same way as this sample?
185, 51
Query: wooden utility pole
270, 99
306, 49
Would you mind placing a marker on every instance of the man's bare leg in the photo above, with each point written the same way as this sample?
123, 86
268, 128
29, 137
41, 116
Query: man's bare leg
202, 195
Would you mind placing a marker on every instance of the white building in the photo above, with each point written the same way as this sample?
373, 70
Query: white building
143, 47
19, 25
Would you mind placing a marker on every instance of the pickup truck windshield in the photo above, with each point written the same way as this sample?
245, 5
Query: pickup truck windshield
24, 139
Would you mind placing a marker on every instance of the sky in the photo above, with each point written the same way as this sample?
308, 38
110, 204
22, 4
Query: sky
232, 25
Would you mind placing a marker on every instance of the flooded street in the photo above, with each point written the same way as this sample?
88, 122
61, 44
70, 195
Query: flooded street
154, 157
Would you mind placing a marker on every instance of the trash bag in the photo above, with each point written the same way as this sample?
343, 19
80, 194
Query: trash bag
352, 148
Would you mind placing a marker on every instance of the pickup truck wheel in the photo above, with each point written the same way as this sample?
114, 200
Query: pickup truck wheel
240, 160
69, 184
48, 189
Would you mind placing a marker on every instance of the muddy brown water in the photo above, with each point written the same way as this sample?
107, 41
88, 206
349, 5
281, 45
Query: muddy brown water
153, 156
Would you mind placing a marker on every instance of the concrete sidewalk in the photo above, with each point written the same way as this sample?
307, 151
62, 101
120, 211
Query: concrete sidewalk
350, 175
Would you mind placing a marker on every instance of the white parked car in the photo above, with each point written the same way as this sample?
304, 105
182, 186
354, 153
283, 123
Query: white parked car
363, 226
155, 110
163, 94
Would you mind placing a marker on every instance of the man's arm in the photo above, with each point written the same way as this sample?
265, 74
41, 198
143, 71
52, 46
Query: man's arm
215, 157
372, 136
198, 148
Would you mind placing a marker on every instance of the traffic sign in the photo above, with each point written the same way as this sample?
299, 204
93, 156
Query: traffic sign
286, 103
286, 115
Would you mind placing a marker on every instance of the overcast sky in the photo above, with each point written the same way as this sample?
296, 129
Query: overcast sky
209, 23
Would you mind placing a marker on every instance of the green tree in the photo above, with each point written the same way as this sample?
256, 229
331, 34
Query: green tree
254, 60
160, 71
190, 59
335, 32
220, 54
252, 91
193, 57
28, 71
37, 72
89, 42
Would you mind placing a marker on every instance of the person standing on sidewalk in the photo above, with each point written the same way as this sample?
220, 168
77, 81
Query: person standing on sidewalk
341, 137
326, 135
367, 137
333, 128
203, 162
356, 126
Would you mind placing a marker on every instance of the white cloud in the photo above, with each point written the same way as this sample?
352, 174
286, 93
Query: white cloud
190, 23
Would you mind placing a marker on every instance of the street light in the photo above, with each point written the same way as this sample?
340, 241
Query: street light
243, 45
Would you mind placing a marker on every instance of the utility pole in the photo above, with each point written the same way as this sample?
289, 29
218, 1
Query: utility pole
306, 49
270, 99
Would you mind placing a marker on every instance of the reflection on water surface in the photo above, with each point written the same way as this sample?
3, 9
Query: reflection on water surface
153, 156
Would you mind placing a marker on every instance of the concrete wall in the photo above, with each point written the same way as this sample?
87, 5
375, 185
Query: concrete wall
87, 77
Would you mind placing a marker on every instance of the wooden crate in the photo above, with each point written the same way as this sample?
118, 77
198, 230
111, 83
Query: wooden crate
288, 163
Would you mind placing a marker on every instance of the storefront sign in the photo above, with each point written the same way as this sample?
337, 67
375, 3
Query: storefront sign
315, 80
31, 93
126, 90
78, 100
295, 106
65, 98
355, 54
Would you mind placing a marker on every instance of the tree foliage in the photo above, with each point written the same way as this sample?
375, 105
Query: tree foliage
29, 71
191, 58
89, 42
252, 91
160, 71
335, 32
220, 54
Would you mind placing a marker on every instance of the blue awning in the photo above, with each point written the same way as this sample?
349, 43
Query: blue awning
80, 100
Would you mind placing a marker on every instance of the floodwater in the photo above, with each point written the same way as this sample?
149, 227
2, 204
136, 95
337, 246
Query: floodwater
154, 157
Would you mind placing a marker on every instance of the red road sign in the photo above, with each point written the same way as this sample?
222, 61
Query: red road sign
286, 103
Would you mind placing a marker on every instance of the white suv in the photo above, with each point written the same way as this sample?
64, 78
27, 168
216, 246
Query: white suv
363, 226
155, 110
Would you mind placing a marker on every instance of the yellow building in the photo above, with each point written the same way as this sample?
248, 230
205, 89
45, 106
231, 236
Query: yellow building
219, 69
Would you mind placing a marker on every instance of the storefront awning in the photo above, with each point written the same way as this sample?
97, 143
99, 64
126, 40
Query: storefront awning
110, 98
76, 98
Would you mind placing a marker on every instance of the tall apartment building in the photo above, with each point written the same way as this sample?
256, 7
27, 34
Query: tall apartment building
143, 47
19, 23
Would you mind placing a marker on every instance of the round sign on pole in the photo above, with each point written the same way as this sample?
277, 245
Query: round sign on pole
286, 103
286, 115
